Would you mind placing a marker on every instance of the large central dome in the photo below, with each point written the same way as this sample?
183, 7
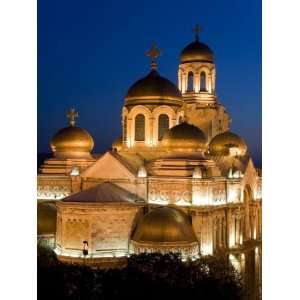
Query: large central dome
153, 87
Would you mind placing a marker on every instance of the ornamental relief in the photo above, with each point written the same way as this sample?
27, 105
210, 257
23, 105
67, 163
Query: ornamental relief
219, 194
48, 192
170, 193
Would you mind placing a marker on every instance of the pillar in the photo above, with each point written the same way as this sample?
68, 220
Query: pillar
75, 184
141, 188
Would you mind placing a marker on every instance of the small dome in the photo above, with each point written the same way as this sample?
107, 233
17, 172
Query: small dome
164, 225
196, 51
184, 137
117, 144
154, 87
46, 218
227, 143
72, 141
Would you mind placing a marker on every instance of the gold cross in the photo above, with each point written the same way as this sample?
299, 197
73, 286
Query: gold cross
72, 115
154, 52
197, 30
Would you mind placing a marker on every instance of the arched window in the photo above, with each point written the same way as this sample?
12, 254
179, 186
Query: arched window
190, 85
202, 81
140, 127
180, 120
125, 129
163, 125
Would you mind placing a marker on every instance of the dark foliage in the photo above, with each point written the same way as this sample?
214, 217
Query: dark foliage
147, 276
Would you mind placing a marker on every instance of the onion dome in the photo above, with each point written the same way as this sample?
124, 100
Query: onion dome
184, 137
196, 51
164, 225
72, 141
117, 144
153, 88
46, 219
227, 143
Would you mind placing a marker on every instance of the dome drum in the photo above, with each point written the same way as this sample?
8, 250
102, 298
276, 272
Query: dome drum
184, 248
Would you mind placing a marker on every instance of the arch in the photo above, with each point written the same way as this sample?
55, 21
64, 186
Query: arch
139, 109
139, 128
190, 81
163, 109
203, 79
163, 125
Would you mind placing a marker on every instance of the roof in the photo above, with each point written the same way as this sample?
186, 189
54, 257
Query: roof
153, 85
196, 51
184, 136
221, 144
106, 192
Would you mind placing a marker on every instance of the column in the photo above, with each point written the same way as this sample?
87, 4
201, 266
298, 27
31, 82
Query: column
209, 83
196, 82
141, 188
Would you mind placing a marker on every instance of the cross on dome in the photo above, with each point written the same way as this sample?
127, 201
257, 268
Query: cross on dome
154, 52
197, 30
72, 115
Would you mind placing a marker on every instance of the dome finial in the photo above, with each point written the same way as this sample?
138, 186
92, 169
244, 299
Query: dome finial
197, 30
154, 52
72, 115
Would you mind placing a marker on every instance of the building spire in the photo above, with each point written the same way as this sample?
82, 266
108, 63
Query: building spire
72, 115
197, 30
154, 52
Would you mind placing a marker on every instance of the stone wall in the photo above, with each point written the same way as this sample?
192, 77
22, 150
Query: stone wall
106, 227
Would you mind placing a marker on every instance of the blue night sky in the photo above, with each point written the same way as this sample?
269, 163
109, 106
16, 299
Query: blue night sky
90, 52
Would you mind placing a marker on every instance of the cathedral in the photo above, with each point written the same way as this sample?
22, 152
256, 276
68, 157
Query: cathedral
176, 180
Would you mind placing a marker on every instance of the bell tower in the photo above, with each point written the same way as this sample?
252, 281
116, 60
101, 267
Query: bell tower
197, 74
197, 83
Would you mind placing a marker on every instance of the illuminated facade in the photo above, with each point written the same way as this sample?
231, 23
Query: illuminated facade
176, 181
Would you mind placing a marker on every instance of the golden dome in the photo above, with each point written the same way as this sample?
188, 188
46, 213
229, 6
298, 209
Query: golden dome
164, 225
154, 87
184, 137
46, 218
195, 52
72, 141
227, 143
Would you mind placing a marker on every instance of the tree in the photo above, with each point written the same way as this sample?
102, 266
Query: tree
146, 276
